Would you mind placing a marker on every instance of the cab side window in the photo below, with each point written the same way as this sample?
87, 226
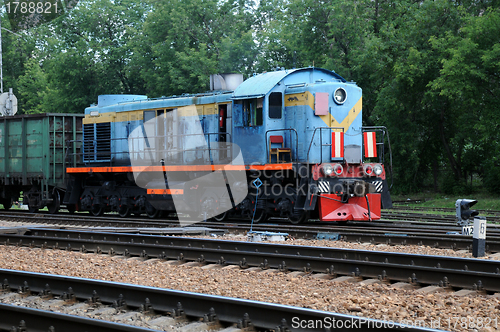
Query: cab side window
275, 105
248, 112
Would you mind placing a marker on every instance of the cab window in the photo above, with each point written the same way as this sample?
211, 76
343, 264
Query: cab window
251, 112
275, 105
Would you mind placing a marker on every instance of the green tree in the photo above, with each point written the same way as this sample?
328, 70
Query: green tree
296, 33
84, 54
192, 39
428, 69
33, 88
422, 123
469, 81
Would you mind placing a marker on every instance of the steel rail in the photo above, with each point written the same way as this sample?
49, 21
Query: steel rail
427, 270
443, 209
419, 217
414, 216
372, 232
230, 310
456, 263
113, 221
404, 236
449, 241
34, 320
80, 218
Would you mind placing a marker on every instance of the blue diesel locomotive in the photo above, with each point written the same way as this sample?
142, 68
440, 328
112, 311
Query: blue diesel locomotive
287, 143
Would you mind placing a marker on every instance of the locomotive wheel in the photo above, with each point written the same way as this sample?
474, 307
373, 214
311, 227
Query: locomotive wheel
297, 218
96, 210
124, 211
53, 206
7, 203
221, 217
260, 216
151, 212
153, 215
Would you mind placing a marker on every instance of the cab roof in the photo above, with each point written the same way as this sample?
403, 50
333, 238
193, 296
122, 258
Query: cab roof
261, 84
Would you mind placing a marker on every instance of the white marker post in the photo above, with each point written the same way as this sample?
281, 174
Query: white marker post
479, 237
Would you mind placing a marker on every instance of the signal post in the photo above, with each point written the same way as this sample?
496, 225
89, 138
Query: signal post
479, 237
464, 213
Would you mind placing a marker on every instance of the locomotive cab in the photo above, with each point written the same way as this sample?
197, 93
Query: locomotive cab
320, 161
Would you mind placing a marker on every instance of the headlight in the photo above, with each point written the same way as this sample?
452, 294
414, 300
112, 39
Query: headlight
327, 169
340, 96
377, 169
368, 170
338, 169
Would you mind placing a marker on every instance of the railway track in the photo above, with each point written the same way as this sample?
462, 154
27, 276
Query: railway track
192, 311
438, 235
457, 273
110, 220
428, 217
441, 209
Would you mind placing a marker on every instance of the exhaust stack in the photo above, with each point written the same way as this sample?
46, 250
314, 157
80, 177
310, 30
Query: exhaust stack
225, 82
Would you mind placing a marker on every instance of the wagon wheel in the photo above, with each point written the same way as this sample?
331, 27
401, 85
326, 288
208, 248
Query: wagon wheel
124, 211
53, 206
32, 209
260, 216
298, 217
7, 203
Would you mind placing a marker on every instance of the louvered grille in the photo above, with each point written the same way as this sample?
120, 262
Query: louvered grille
103, 141
88, 142
97, 142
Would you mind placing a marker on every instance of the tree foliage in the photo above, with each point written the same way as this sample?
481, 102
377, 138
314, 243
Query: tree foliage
191, 39
429, 69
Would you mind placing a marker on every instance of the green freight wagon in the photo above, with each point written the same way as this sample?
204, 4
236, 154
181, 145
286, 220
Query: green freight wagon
34, 152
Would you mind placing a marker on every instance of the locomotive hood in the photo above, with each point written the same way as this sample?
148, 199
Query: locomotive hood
261, 84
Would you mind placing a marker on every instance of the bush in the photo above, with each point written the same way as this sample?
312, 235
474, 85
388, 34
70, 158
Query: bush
491, 178
452, 186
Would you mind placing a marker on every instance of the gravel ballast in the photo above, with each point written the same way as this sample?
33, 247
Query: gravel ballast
445, 310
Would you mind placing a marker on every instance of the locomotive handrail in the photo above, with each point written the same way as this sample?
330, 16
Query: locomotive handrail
110, 153
209, 149
296, 144
220, 149
291, 142
384, 131
321, 140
